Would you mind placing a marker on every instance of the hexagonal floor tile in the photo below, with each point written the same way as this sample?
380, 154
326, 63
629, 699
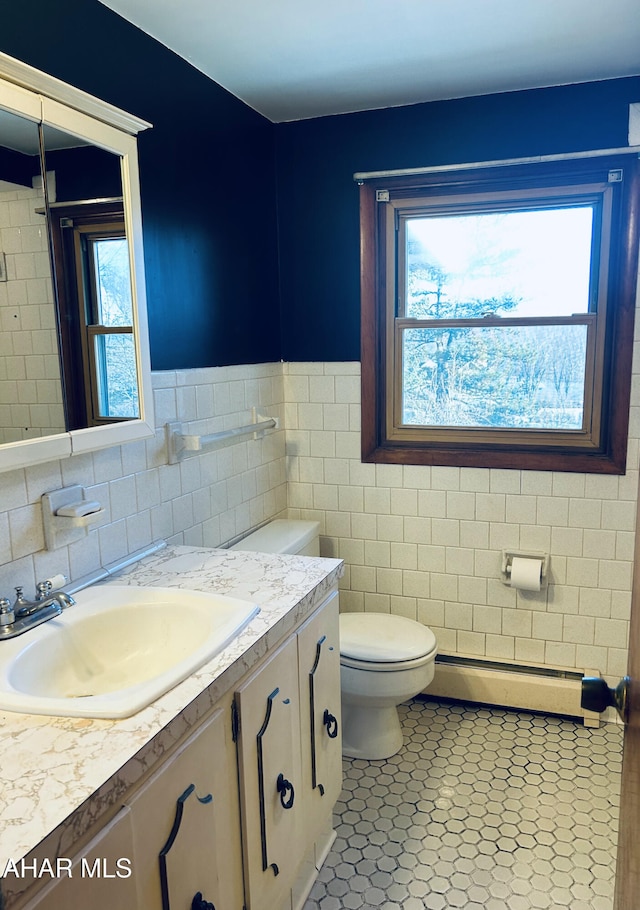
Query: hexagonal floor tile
482, 808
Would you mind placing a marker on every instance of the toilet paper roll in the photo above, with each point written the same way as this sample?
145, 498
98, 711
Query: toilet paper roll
526, 573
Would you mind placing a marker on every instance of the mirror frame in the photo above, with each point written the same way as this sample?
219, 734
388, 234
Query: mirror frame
36, 96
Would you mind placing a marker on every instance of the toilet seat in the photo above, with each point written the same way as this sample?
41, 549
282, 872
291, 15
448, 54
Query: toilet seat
383, 641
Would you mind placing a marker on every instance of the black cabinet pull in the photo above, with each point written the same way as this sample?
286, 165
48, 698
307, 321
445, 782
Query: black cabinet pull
331, 723
199, 903
285, 786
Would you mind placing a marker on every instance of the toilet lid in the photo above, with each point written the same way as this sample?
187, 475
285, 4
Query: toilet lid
384, 637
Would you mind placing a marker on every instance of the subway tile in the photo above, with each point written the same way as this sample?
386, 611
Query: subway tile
521, 509
566, 541
445, 532
500, 646
458, 615
336, 470
404, 556
431, 613
461, 505
416, 584
403, 606
611, 633
491, 507
535, 537
377, 603
431, 558
487, 619
471, 643
620, 604
474, 534
364, 526
529, 651
570, 485
518, 623
416, 477
404, 502
445, 478
459, 561
444, 587
560, 654
472, 590
582, 572
595, 602
579, 630
615, 574
26, 531
432, 504
377, 553
388, 581
619, 516
503, 536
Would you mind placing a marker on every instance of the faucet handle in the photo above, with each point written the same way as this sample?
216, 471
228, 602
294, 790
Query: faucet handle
7, 616
43, 589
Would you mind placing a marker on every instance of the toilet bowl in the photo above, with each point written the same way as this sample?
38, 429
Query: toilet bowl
384, 661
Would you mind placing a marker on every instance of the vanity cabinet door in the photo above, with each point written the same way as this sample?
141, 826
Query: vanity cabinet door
186, 825
270, 775
102, 873
320, 720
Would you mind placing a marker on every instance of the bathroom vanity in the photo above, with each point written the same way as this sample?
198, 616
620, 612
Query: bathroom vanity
218, 794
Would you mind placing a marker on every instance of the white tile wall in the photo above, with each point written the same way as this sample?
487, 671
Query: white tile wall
206, 500
425, 542
30, 388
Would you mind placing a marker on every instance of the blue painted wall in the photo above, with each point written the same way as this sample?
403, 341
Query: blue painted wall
251, 228
207, 177
318, 199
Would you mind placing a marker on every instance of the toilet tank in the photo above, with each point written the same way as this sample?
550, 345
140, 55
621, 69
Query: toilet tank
284, 536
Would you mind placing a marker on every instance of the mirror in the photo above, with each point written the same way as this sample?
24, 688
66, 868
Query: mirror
74, 358
92, 281
31, 400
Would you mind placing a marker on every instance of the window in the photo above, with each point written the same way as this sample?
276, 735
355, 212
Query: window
96, 326
497, 315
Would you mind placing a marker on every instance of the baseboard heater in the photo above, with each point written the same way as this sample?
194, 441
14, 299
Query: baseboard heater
551, 690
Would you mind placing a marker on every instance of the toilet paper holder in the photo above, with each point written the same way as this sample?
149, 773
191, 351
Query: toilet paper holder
507, 563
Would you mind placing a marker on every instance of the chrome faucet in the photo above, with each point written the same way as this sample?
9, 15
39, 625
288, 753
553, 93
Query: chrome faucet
44, 598
25, 614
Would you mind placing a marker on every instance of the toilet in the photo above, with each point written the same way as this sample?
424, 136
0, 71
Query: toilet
384, 660
284, 536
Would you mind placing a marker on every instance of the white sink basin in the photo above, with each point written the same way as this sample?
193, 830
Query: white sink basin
116, 650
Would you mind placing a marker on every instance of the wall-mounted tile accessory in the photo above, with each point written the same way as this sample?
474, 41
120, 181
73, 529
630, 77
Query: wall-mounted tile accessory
3, 267
180, 443
67, 515
524, 569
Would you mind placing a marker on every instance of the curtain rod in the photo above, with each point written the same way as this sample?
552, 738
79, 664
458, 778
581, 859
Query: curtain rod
361, 176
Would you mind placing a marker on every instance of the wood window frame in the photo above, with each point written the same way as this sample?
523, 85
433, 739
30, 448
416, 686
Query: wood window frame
604, 448
76, 331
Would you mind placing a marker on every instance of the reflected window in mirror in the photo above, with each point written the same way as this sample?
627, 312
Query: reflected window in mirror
95, 305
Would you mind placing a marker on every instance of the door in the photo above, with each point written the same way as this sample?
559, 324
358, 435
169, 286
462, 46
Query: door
271, 796
186, 826
628, 863
320, 721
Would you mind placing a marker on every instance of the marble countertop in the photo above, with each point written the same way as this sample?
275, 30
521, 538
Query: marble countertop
58, 774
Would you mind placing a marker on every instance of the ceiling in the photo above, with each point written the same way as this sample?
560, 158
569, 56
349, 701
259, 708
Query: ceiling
292, 59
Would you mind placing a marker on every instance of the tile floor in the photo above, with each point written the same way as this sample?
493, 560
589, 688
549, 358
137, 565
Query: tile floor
482, 809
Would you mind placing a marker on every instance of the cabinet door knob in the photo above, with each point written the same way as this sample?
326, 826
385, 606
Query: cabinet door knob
199, 903
331, 723
285, 786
